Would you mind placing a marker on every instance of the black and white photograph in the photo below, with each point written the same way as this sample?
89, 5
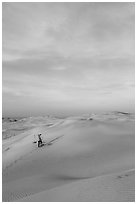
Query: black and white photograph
68, 102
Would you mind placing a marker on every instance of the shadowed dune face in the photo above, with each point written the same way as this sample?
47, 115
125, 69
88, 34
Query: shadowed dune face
87, 148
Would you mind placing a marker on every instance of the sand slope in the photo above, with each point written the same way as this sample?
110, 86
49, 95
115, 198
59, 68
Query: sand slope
84, 153
108, 188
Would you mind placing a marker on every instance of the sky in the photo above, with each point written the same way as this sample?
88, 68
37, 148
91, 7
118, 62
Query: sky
67, 58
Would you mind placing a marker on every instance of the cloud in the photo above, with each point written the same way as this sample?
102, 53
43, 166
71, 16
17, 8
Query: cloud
72, 52
68, 28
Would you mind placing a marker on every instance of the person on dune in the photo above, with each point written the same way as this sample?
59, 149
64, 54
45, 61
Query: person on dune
40, 140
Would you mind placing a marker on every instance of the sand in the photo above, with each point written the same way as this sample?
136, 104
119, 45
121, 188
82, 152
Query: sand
108, 188
91, 159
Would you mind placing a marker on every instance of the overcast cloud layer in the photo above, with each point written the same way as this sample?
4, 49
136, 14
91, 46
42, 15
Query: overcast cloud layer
61, 58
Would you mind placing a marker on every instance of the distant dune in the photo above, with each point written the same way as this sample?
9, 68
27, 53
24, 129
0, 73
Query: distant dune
85, 158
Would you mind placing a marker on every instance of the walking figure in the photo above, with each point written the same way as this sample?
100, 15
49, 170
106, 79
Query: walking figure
40, 140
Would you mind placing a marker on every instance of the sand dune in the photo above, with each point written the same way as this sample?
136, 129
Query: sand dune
84, 154
108, 188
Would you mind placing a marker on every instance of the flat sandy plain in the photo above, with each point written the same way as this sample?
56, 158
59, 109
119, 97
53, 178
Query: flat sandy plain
84, 158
